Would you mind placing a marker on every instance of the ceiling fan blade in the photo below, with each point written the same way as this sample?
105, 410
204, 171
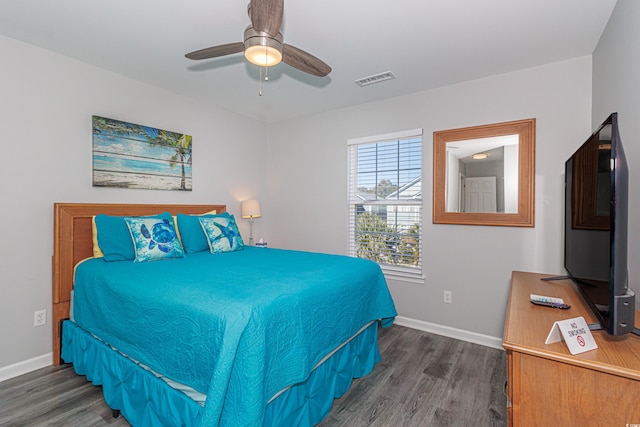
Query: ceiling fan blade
266, 15
304, 61
215, 51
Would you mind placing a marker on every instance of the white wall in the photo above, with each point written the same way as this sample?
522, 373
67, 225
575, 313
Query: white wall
511, 178
452, 183
308, 175
616, 88
46, 103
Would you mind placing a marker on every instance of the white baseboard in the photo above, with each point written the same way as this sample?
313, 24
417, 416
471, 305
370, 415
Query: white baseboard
450, 332
26, 366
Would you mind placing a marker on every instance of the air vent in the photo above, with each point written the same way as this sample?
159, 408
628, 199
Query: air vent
376, 78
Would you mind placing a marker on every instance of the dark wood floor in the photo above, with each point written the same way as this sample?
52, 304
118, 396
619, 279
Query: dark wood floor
426, 380
423, 380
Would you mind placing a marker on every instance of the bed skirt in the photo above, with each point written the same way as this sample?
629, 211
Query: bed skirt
146, 400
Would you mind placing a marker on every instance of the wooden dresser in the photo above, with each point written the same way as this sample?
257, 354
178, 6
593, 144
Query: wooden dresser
546, 385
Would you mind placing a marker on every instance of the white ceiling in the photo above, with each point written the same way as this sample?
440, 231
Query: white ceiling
425, 43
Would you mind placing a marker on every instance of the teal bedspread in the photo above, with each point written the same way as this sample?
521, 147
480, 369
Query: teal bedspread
238, 326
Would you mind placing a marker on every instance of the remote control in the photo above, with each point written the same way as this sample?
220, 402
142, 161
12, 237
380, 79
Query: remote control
550, 304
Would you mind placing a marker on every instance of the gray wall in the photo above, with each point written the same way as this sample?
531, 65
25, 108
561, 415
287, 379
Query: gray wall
616, 88
308, 174
46, 103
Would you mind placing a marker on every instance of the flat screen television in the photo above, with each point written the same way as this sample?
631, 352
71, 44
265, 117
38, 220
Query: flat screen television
596, 216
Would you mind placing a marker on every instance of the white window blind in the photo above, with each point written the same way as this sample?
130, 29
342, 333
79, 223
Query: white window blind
385, 201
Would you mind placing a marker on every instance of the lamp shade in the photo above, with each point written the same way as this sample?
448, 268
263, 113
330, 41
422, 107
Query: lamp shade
250, 209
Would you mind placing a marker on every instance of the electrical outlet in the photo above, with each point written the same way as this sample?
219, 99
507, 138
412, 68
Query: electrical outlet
448, 297
39, 317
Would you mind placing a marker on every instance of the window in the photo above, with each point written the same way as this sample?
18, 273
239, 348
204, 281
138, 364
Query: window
385, 201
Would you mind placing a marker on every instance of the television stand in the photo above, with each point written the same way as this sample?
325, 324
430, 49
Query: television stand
554, 278
598, 327
595, 326
546, 384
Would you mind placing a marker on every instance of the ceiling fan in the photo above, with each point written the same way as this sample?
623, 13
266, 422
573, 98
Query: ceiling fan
263, 44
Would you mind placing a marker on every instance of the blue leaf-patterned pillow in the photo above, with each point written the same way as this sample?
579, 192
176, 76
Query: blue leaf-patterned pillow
222, 234
154, 239
191, 234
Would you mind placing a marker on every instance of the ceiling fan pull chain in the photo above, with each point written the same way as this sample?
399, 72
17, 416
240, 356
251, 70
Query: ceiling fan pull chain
260, 91
266, 61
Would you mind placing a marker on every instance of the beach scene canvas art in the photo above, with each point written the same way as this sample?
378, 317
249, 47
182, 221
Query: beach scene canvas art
127, 155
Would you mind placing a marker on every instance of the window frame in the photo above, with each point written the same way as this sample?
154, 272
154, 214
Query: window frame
392, 271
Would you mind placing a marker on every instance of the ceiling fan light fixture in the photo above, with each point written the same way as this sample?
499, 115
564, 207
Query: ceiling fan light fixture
262, 49
262, 44
263, 56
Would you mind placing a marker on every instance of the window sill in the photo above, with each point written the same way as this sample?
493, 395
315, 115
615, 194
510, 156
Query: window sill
403, 276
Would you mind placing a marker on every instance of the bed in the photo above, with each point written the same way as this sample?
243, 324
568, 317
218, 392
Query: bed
249, 337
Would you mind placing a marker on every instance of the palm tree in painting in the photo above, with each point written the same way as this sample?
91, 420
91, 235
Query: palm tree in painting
182, 155
181, 144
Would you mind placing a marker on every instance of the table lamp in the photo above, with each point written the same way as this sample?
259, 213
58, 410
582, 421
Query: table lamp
250, 209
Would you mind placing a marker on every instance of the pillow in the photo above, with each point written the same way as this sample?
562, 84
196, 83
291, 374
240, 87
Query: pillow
114, 238
191, 233
97, 253
154, 239
222, 234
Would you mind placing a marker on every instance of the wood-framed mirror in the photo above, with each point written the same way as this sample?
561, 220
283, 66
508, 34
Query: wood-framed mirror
485, 175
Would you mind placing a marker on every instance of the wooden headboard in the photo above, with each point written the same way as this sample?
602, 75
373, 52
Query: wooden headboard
73, 242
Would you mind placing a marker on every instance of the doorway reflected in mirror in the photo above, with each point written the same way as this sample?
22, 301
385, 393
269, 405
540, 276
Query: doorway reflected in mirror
482, 175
